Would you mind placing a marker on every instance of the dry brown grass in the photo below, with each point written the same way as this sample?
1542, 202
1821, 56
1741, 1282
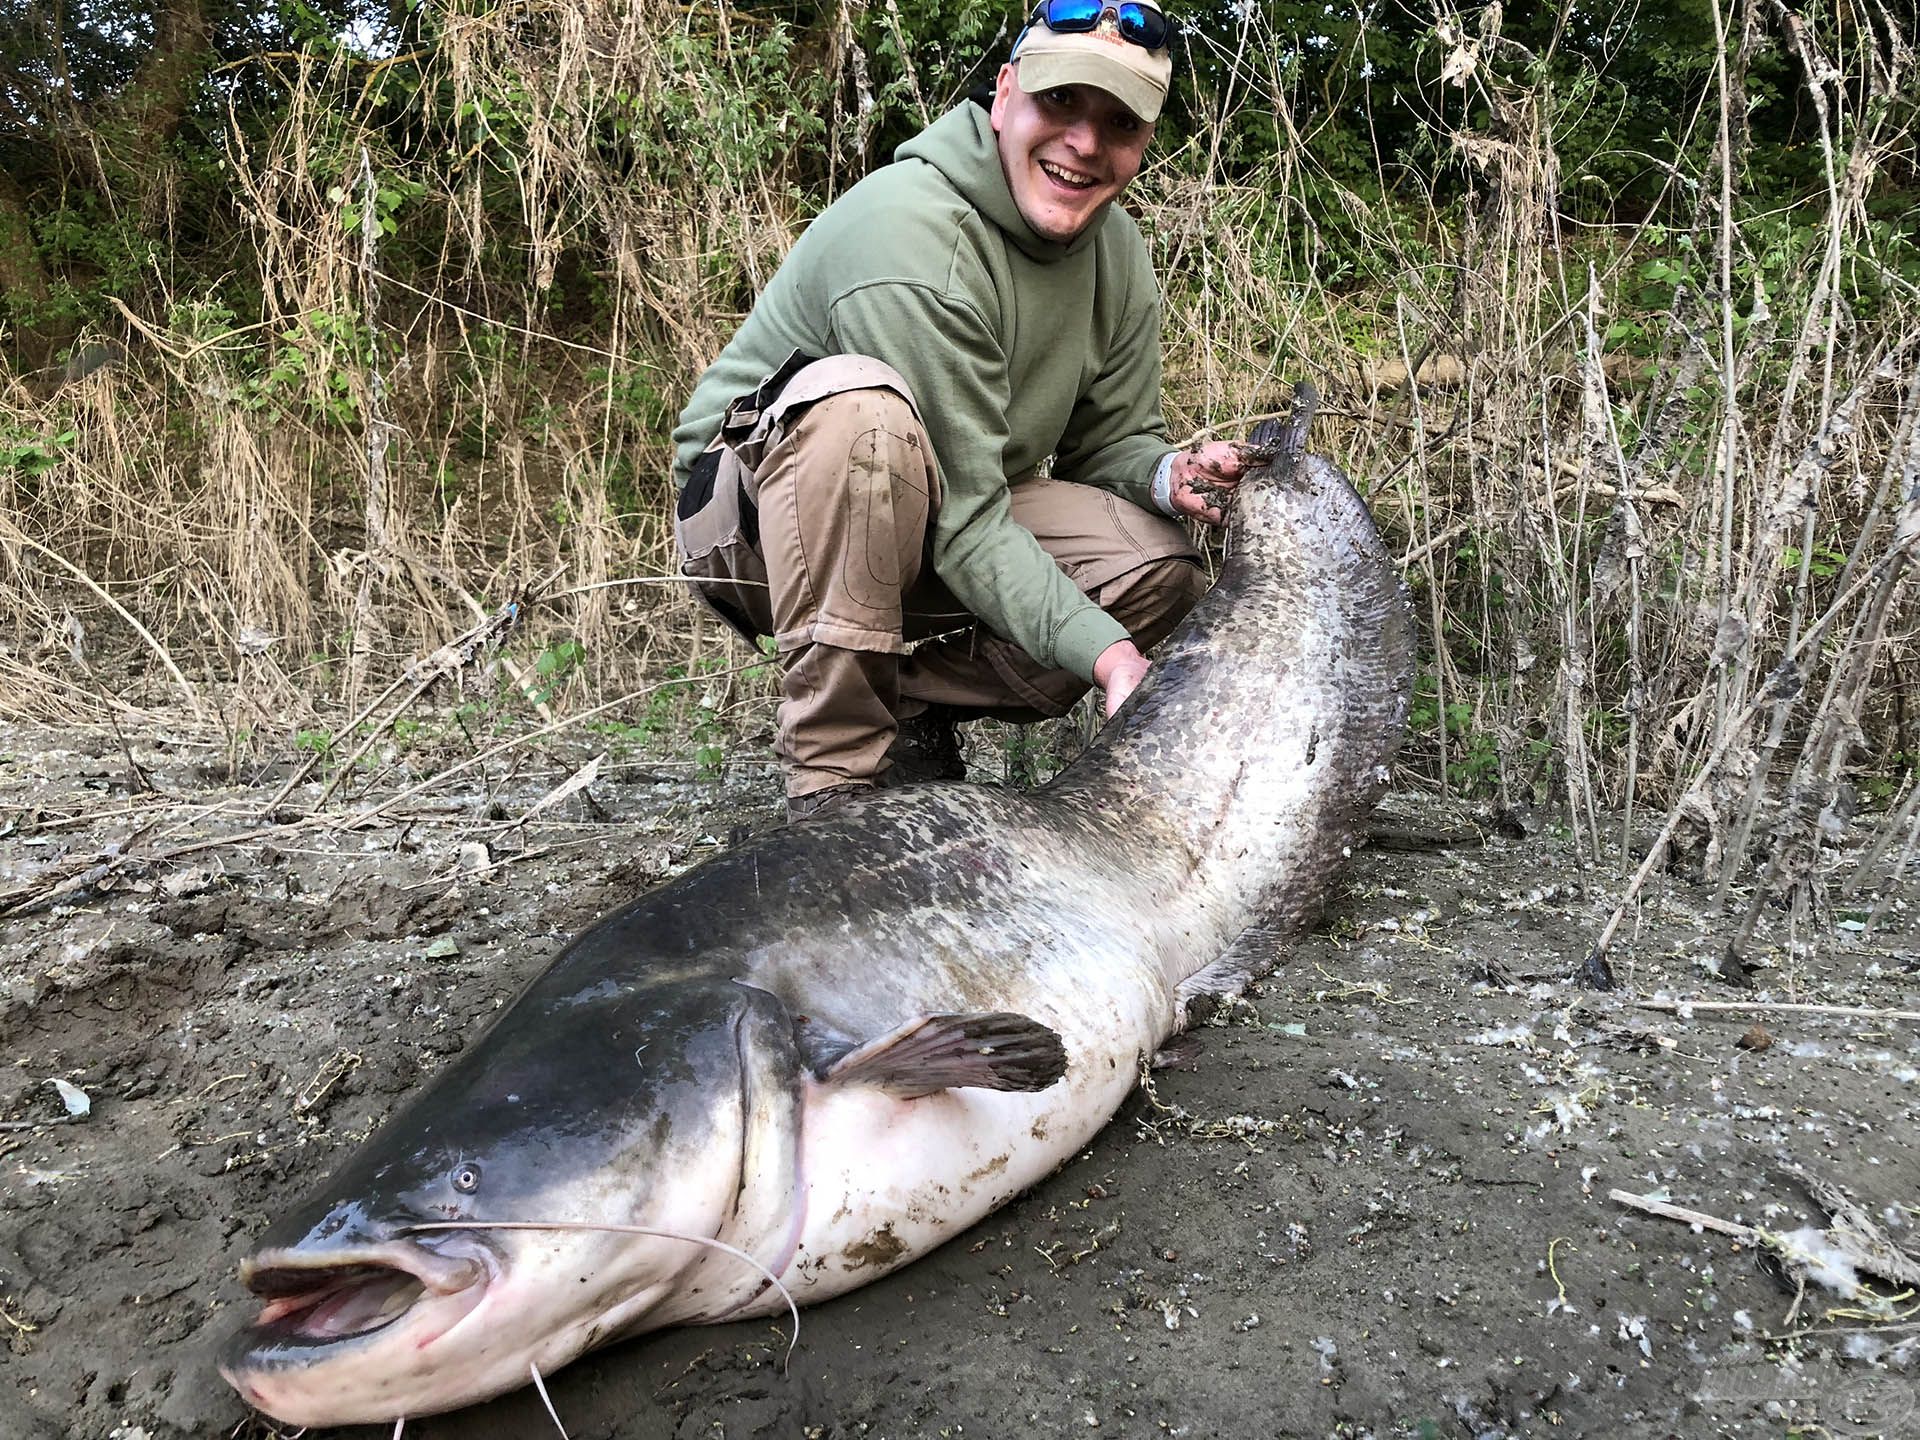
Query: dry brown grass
1682, 580
1677, 579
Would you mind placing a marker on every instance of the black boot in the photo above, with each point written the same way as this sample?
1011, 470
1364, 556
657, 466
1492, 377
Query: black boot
926, 747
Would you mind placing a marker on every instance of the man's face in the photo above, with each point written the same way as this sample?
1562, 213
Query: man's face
1066, 152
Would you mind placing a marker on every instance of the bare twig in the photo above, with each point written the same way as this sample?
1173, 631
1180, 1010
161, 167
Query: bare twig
1669, 1211
449, 659
187, 692
362, 817
1863, 1012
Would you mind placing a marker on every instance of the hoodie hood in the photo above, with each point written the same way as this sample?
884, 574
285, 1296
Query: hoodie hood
961, 145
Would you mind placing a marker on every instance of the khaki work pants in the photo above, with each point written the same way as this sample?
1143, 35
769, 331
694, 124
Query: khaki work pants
815, 532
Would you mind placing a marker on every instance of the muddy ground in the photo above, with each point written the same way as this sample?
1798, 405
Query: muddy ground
1374, 1203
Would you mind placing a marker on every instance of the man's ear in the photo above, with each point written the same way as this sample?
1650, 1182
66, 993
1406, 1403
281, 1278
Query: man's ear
1002, 93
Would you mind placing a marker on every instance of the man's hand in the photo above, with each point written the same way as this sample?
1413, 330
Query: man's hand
1204, 477
1118, 671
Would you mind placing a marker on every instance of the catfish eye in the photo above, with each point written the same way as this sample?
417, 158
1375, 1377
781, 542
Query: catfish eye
466, 1179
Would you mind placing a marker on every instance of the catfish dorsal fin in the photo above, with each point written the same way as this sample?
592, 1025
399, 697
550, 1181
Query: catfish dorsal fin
991, 1051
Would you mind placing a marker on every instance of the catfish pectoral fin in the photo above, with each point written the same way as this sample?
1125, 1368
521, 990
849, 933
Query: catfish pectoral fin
983, 1051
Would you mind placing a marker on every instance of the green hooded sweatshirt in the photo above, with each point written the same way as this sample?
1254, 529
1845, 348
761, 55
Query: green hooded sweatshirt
1015, 347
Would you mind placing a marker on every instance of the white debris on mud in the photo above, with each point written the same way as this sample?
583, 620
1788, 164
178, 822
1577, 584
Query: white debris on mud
1372, 1203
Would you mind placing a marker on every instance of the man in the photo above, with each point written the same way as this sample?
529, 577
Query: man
859, 468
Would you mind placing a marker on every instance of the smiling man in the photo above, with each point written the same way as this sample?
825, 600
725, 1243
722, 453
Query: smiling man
932, 464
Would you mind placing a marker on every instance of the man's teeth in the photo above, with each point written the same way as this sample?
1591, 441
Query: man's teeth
1066, 177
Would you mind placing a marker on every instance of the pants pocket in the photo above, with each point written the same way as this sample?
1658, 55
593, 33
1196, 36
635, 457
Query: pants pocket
719, 555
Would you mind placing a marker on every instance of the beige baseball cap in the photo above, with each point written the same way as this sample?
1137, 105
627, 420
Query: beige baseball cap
1136, 76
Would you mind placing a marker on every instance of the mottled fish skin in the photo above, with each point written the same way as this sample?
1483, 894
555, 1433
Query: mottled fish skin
667, 1069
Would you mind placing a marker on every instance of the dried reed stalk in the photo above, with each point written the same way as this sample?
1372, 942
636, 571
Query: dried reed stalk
1623, 568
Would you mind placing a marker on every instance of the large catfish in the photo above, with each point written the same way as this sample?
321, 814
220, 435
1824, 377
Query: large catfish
837, 1046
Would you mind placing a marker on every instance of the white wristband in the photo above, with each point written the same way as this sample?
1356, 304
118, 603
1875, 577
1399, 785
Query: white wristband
1163, 485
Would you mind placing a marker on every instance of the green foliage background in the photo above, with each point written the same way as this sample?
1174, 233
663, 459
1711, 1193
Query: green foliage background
121, 119
336, 322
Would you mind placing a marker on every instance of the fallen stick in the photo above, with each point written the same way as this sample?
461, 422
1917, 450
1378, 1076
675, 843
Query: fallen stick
192, 696
79, 874
363, 817
579, 780
488, 634
1865, 1012
1851, 1240
1682, 1214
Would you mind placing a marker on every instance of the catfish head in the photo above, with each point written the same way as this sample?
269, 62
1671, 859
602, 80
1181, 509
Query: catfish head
652, 1102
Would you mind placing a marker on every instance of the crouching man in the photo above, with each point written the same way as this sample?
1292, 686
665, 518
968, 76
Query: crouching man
860, 469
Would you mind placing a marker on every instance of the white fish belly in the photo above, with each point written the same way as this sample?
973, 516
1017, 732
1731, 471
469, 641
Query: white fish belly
885, 1180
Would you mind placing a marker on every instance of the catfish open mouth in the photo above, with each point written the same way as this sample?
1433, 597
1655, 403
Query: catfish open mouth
348, 1295
335, 1303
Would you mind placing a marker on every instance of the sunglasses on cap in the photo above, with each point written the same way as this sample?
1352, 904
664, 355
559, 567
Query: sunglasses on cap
1143, 25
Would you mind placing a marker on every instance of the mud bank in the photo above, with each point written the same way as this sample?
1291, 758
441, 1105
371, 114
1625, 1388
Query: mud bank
1373, 1200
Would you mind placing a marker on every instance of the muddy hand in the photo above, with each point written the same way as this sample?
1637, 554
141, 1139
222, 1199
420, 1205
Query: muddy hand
1204, 478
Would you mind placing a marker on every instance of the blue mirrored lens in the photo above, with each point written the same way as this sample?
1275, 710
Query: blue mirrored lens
1070, 17
1143, 26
